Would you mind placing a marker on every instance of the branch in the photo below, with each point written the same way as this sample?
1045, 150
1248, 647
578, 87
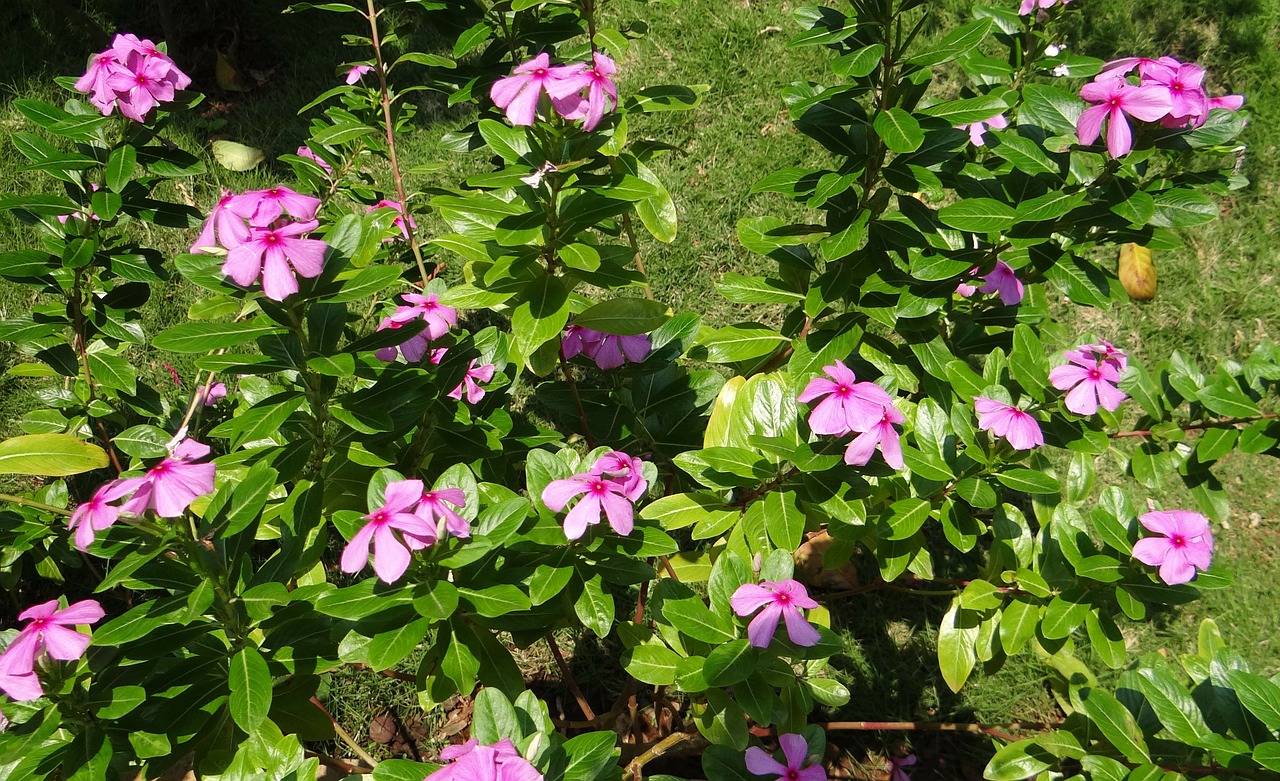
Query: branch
346, 736
570, 680
663, 746
1227, 423
22, 501
577, 400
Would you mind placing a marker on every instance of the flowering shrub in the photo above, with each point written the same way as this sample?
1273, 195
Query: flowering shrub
675, 468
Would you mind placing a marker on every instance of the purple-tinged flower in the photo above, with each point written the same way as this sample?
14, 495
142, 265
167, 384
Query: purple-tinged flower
142, 87
1020, 429
276, 255
471, 382
391, 554
169, 487
617, 465
795, 749
850, 405
134, 75
1001, 280
602, 93
518, 93
1228, 102
1103, 351
1114, 100
781, 600
48, 632
224, 228
440, 319
898, 765
211, 394
98, 514
1091, 382
399, 221
599, 494
305, 151
609, 351
357, 72
263, 207
976, 129
102, 66
434, 508
1185, 544
473, 762
882, 434
1029, 6
1183, 81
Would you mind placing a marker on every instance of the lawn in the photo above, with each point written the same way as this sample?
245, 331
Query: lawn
1217, 298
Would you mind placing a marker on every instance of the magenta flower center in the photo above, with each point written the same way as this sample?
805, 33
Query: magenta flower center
161, 469
793, 774
1095, 374
271, 238
597, 487
379, 517
844, 390
540, 73
1178, 541
783, 599
141, 79
1114, 102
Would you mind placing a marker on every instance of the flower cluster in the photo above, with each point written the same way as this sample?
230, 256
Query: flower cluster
1168, 91
1090, 376
795, 749
1184, 544
48, 632
1001, 280
260, 243
422, 517
1018, 427
167, 489
133, 75
782, 601
519, 93
473, 762
439, 319
851, 406
613, 485
607, 350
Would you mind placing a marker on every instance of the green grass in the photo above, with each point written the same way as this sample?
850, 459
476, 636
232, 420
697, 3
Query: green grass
1218, 294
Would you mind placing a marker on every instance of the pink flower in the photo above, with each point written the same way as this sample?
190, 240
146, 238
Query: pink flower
399, 222
781, 600
850, 405
48, 632
1020, 429
172, 485
141, 86
85, 213
599, 493
223, 228
1103, 350
617, 465
102, 66
518, 93
1114, 98
263, 207
98, 514
897, 767
1091, 382
1187, 98
473, 762
305, 151
357, 72
212, 394
469, 383
1126, 65
134, 75
1185, 544
883, 434
1228, 102
1002, 280
440, 319
276, 255
795, 749
390, 553
433, 507
609, 351
976, 129
602, 93
1030, 5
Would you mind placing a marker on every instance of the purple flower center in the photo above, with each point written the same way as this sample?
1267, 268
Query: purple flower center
793, 774
540, 73
379, 517
1114, 102
597, 487
141, 79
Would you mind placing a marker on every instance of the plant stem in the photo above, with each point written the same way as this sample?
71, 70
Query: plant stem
82, 350
663, 746
346, 736
22, 501
570, 680
389, 126
1228, 423
569, 380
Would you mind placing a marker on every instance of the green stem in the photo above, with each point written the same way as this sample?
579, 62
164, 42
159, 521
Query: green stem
22, 501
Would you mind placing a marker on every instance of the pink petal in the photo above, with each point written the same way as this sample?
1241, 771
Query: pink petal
862, 448
1082, 399
278, 282
1175, 568
620, 513
401, 494
749, 598
828, 418
42, 610
795, 749
307, 256
1110, 397
799, 630
817, 388
523, 109
558, 493
86, 611
1024, 433
1067, 376
390, 557
63, 643
1147, 103
840, 373
762, 628
1089, 125
891, 448
585, 513
761, 764
1152, 550
244, 263
1119, 137
356, 555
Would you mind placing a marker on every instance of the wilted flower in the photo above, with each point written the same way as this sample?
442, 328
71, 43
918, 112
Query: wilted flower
1002, 280
795, 749
781, 600
305, 151
609, 351
48, 632
400, 221
276, 255
434, 507
391, 554
1185, 544
976, 129
473, 762
471, 382
898, 765
357, 72
169, 487
1020, 429
211, 394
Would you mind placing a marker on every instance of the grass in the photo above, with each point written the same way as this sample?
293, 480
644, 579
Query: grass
1217, 297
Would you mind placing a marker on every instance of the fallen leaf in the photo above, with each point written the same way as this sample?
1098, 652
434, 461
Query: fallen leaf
383, 728
228, 75
235, 156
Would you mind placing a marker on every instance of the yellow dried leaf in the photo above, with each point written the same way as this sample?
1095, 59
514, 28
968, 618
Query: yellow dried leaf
228, 75
1137, 272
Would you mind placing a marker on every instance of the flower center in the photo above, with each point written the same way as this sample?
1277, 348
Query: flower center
380, 517
1095, 374
142, 79
597, 486
783, 599
844, 390
1178, 541
271, 238
1114, 103
540, 73
792, 774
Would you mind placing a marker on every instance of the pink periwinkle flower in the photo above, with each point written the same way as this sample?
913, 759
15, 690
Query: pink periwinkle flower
263, 207
213, 393
518, 93
133, 75
471, 382
357, 72
849, 405
434, 508
607, 487
1001, 280
1090, 380
976, 129
881, 434
1102, 351
1114, 101
1184, 544
1019, 428
84, 214
391, 554
98, 514
781, 600
224, 228
169, 487
400, 221
48, 632
602, 93
1029, 6
305, 151
795, 749
898, 766
440, 319
276, 255
473, 762
608, 351
1188, 102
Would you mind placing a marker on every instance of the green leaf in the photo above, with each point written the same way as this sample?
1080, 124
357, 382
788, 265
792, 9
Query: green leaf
1018, 624
494, 717
209, 337
667, 97
958, 42
590, 755
740, 342
899, 131
784, 521
742, 289
1017, 761
1049, 206
1116, 724
956, 637
594, 607
496, 601
1260, 696
49, 455
905, 518
1184, 209
542, 314
966, 110
652, 664
1225, 398
978, 215
120, 167
692, 617
112, 371
681, 510
386, 649
623, 316
1050, 108
731, 663
250, 683
1172, 704
1026, 155
1029, 481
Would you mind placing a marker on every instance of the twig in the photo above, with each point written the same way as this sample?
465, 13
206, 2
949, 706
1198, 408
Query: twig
635, 250
337, 764
22, 501
577, 401
785, 352
570, 680
666, 565
1229, 423
663, 746
346, 736
399, 676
